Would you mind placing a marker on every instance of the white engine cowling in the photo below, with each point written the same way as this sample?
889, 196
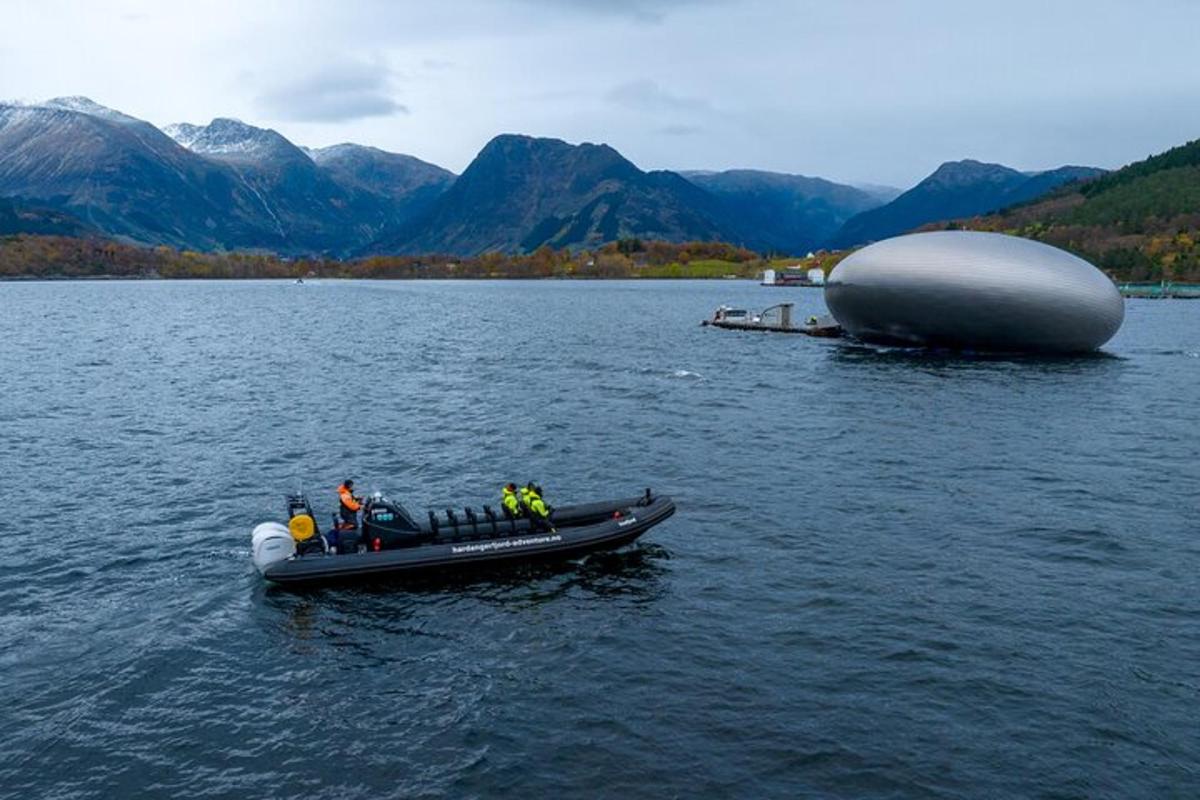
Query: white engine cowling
271, 542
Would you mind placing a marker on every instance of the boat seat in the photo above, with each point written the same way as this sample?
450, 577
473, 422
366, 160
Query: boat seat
311, 546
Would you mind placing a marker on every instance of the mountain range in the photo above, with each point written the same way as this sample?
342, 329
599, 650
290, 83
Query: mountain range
223, 186
522, 193
1140, 222
786, 213
955, 189
229, 185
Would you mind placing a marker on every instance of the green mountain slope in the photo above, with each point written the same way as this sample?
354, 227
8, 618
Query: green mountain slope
17, 218
1139, 223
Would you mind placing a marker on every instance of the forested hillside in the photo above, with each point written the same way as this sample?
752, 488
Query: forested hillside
1140, 223
31, 256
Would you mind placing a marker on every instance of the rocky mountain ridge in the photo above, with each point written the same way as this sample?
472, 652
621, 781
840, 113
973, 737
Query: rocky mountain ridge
955, 189
229, 185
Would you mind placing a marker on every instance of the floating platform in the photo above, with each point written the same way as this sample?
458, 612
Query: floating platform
813, 278
776, 319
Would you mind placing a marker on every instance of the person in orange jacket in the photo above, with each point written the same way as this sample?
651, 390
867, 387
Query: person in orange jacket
349, 503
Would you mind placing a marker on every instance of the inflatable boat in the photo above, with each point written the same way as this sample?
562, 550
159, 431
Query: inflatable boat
388, 541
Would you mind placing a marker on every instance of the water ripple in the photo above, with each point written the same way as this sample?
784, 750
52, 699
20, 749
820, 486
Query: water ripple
893, 573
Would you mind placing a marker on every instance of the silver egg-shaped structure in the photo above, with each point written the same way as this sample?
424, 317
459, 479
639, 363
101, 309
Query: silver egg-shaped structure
970, 290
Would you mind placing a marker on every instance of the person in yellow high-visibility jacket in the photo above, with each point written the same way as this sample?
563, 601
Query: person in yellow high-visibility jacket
539, 514
509, 501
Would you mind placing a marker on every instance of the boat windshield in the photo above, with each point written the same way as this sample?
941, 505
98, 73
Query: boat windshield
383, 508
403, 512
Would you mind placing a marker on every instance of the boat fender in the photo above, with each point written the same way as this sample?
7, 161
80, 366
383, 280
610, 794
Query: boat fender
270, 543
617, 515
302, 527
376, 545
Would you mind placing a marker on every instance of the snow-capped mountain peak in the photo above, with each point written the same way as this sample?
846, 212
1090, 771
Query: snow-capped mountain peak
231, 138
343, 150
85, 105
184, 133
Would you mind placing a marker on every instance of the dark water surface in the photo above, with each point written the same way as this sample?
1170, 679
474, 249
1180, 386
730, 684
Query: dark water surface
891, 574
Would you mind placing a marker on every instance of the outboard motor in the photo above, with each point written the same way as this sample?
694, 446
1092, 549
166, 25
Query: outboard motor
386, 525
271, 542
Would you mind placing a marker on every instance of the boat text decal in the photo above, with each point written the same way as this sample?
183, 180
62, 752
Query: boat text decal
502, 544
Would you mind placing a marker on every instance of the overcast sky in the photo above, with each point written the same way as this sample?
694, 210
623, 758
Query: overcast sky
864, 91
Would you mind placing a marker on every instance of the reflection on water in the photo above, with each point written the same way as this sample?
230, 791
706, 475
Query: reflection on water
631, 572
851, 352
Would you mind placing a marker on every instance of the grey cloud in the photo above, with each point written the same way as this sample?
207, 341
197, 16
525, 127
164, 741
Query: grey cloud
340, 92
646, 95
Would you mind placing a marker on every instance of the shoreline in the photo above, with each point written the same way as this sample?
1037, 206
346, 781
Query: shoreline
1177, 291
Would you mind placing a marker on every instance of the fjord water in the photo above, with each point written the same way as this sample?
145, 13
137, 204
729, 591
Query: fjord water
891, 574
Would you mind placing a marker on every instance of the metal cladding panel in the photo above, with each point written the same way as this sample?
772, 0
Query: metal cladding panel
975, 291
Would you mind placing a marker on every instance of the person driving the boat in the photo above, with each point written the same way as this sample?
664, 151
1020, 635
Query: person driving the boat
509, 502
349, 504
539, 514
